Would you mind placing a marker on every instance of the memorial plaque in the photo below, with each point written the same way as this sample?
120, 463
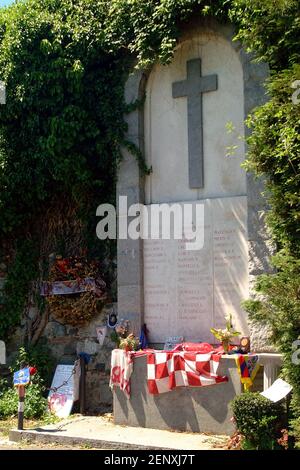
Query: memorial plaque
66, 380
188, 292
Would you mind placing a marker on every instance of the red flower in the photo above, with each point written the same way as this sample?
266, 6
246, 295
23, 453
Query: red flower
32, 370
62, 265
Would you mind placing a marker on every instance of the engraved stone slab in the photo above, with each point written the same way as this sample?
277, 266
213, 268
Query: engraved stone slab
188, 292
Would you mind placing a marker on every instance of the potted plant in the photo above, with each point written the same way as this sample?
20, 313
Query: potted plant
225, 335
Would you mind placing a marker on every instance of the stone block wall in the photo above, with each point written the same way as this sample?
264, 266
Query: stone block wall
66, 342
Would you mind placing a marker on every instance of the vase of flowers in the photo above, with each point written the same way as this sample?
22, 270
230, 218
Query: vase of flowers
130, 343
123, 338
225, 335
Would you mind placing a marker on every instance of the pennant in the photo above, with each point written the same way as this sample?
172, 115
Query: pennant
101, 333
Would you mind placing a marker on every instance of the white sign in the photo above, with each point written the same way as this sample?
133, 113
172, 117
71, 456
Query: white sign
101, 333
60, 402
2, 93
2, 353
278, 390
172, 341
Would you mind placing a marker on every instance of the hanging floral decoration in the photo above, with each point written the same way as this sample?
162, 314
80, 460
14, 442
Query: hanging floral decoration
75, 291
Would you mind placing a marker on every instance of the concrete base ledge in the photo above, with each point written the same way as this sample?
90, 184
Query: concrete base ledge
187, 409
47, 437
100, 433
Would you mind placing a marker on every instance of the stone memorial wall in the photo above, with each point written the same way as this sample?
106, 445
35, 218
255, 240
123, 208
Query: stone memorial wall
189, 291
191, 130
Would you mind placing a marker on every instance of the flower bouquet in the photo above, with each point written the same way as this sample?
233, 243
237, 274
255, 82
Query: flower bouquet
130, 343
225, 335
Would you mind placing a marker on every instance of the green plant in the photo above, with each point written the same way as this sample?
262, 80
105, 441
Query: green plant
35, 403
295, 424
65, 63
279, 309
22, 271
3, 385
270, 28
274, 147
258, 419
8, 403
273, 155
38, 356
115, 338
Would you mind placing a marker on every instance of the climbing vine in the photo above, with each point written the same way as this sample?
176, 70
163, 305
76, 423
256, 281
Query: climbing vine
65, 63
274, 149
19, 275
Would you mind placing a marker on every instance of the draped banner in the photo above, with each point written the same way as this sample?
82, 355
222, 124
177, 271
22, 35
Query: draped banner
73, 286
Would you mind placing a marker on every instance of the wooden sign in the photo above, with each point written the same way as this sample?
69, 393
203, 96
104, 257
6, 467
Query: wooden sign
61, 401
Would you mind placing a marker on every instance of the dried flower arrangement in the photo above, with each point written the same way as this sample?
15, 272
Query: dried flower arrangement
83, 280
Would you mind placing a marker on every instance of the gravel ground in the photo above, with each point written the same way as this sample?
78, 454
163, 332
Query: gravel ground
5, 444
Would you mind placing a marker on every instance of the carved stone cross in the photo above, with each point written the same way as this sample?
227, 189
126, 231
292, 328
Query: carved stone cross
192, 88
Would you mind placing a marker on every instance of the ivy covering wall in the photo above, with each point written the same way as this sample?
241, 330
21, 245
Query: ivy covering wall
272, 30
65, 63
